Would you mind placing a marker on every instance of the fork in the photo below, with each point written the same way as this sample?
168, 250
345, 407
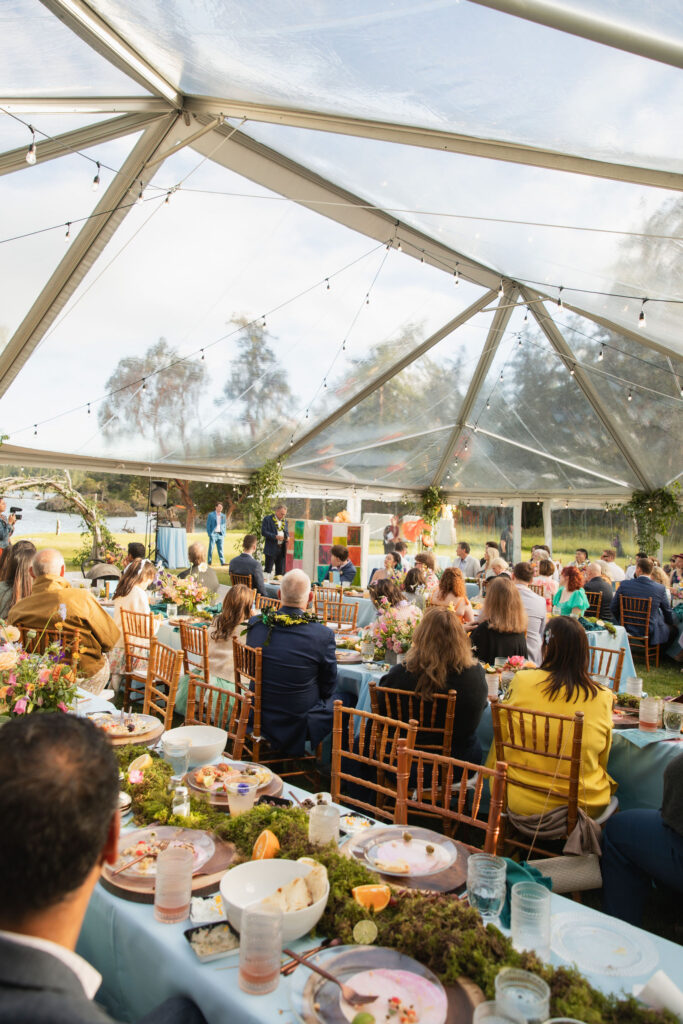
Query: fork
163, 845
352, 998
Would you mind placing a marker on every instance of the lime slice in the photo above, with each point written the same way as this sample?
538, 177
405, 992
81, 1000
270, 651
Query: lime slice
365, 932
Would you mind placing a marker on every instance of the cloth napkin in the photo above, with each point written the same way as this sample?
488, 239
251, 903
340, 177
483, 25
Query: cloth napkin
519, 873
642, 739
661, 994
584, 838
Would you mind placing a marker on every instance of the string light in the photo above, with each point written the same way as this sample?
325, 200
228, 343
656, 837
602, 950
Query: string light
291, 442
167, 200
325, 382
519, 341
572, 371
367, 299
629, 397
68, 230
202, 351
327, 282
501, 291
144, 383
456, 275
96, 179
35, 430
344, 345
31, 155
89, 408
559, 298
488, 404
501, 376
465, 446
601, 353
641, 318
139, 200
398, 245
307, 414
526, 315
263, 321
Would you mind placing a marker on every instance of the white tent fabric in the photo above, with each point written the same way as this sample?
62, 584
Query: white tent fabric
430, 242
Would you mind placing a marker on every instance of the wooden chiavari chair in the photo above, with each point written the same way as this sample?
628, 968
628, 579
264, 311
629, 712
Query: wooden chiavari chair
594, 603
212, 705
163, 674
68, 640
342, 614
194, 643
246, 581
635, 612
369, 759
602, 661
137, 629
268, 602
322, 594
451, 790
538, 588
404, 705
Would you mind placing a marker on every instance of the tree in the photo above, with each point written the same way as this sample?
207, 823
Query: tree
257, 382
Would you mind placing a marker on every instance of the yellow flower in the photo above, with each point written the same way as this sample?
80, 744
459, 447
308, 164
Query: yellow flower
8, 659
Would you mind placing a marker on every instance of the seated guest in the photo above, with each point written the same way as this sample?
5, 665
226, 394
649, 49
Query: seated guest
546, 578
659, 576
499, 567
131, 594
426, 560
200, 568
642, 585
535, 608
299, 670
616, 573
677, 571
562, 686
387, 594
439, 660
631, 569
135, 550
59, 827
54, 600
490, 552
339, 563
391, 570
16, 580
415, 585
581, 560
494, 554
226, 626
465, 562
401, 550
641, 847
594, 583
501, 632
247, 564
451, 593
570, 594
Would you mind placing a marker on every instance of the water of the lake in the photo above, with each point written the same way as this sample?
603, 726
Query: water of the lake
35, 521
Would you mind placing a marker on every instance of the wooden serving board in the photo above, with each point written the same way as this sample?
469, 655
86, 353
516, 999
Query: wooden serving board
141, 890
274, 788
449, 880
144, 739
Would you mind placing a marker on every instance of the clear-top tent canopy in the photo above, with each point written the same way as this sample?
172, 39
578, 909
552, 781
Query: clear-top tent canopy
394, 243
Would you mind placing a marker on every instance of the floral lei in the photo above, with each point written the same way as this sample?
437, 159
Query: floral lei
271, 617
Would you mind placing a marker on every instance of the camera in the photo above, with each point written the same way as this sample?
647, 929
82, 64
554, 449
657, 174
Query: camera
14, 509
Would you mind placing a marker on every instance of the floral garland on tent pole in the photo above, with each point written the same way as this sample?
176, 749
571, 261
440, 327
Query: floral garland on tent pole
432, 501
654, 513
265, 484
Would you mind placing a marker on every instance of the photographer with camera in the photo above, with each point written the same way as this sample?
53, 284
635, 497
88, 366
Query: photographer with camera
6, 526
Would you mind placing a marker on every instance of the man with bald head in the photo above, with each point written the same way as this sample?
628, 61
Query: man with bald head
53, 600
299, 670
595, 583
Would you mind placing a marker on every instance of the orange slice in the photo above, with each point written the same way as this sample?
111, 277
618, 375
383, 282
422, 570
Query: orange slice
266, 846
372, 897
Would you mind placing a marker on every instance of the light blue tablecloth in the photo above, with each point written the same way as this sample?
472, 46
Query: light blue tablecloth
601, 638
172, 547
143, 962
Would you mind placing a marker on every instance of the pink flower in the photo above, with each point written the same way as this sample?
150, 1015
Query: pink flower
135, 776
62, 706
44, 676
20, 706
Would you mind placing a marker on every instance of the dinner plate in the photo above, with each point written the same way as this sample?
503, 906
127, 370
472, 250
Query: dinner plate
264, 774
404, 852
375, 969
349, 657
602, 945
113, 726
201, 843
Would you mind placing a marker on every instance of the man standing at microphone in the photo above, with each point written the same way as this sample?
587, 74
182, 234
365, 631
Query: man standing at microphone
275, 531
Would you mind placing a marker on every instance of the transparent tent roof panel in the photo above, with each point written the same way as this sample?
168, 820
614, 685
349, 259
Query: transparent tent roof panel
15, 135
418, 64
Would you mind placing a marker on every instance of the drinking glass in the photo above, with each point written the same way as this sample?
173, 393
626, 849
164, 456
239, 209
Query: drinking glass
491, 1012
634, 686
260, 950
673, 718
241, 795
492, 682
177, 753
523, 993
173, 884
486, 885
367, 650
649, 714
505, 681
530, 918
171, 611
500, 663
603, 681
323, 825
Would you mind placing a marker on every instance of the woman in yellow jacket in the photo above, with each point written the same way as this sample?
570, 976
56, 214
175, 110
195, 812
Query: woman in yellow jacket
562, 686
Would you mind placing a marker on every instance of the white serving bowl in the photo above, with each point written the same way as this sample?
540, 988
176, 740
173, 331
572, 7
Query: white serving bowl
207, 743
253, 881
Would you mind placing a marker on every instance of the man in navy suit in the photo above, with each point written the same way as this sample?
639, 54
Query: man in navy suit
215, 527
247, 565
299, 672
661, 619
275, 531
339, 562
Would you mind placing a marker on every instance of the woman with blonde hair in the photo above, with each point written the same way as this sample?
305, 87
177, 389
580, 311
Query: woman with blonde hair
501, 632
131, 594
440, 660
452, 593
17, 581
225, 627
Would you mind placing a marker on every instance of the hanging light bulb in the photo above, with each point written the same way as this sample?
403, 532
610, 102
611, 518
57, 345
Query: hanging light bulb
31, 155
641, 318
263, 322
68, 230
501, 376
422, 259
537, 503
501, 291
456, 275
501, 502
465, 446
526, 315
96, 179
488, 404
559, 298
35, 430
144, 383
566, 504
307, 414
601, 353
398, 245
202, 351
327, 282
367, 299
519, 341
324, 382
167, 199
388, 245
291, 442
139, 199
572, 371
88, 408
344, 345
629, 397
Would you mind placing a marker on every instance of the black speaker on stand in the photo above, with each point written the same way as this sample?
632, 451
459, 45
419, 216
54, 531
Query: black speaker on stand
158, 498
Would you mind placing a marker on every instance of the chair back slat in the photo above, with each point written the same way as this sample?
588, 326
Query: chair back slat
268, 602
137, 629
451, 789
538, 588
605, 662
634, 616
340, 613
67, 639
236, 578
212, 705
163, 674
194, 643
404, 705
248, 662
365, 754
594, 603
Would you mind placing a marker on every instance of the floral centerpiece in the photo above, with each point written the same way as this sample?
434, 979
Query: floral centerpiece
397, 576
393, 629
31, 683
187, 593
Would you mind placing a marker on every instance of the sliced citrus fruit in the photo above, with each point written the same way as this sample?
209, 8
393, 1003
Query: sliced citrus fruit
140, 763
266, 846
372, 897
365, 932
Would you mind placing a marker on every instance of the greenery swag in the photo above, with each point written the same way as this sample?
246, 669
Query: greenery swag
262, 490
654, 513
431, 502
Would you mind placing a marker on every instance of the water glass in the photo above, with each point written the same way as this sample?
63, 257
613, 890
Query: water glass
649, 714
523, 993
486, 885
177, 753
500, 663
530, 918
634, 686
171, 611
492, 683
260, 950
323, 825
672, 717
367, 650
241, 795
173, 884
491, 1012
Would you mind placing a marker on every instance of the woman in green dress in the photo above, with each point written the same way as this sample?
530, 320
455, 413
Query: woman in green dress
570, 594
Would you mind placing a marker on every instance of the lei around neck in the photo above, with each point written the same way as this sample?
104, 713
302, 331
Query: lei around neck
272, 617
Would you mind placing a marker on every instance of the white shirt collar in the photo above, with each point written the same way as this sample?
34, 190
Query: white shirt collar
89, 978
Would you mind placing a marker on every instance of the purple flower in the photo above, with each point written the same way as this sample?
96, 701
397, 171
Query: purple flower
62, 612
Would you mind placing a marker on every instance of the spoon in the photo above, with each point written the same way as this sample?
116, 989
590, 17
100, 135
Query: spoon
351, 997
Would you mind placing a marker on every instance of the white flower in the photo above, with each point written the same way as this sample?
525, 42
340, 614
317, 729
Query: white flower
203, 566
62, 612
